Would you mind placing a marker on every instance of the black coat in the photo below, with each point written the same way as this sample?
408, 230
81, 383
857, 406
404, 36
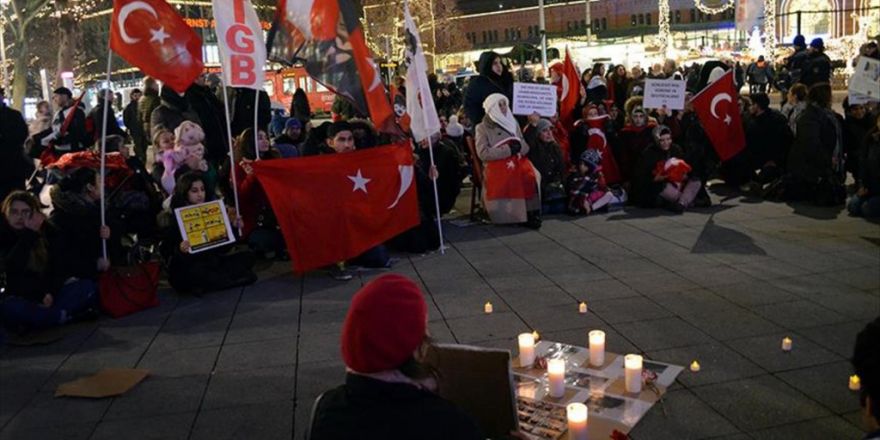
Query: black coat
132, 120
74, 240
869, 164
768, 138
24, 278
366, 408
13, 133
485, 84
645, 189
172, 111
95, 118
817, 69
213, 121
243, 111
547, 159
813, 147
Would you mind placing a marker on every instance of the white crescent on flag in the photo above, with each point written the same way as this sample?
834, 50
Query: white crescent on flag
598, 132
124, 13
406, 179
715, 100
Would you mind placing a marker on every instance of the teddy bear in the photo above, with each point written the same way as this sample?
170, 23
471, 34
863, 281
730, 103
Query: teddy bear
189, 137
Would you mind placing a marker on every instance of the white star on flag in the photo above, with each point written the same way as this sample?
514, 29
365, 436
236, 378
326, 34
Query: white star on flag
510, 165
360, 182
159, 35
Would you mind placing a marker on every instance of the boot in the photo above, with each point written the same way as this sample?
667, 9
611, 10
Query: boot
533, 219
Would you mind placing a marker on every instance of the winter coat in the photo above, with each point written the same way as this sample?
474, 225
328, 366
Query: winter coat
645, 189
768, 138
213, 121
299, 107
697, 148
447, 161
814, 144
485, 84
243, 111
132, 120
632, 142
94, 123
855, 132
253, 202
817, 69
796, 64
792, 113
869, 164
172, 110
75, 138
74, 238
366, 408
488, 135
13, 133
287, 146
145, 107
25, 277
547, 159
760, 73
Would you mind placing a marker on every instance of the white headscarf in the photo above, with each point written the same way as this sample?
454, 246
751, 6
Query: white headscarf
507, 122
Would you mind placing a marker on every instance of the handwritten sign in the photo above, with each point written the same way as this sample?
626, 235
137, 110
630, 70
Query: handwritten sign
864, 85
531, 98
205, 225
668, 92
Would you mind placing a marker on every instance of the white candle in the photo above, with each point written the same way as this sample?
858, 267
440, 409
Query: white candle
855, 383
633, 373
577, 421
695, 366
556, 371
487, 308
786, 344
526, 350
582, 308
597, 348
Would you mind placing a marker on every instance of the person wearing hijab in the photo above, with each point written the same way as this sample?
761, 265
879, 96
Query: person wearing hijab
546, 155
501, 147
494, 77
633, 139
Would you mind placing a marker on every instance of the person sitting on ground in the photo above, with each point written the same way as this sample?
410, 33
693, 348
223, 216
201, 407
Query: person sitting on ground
866, 365
856, 125
546, 156
634, 138
206, 271
588, 190
662, 178
384, 341
34, 298
76, 230
866, 201
768, 140
290, 140
501, 147
796, 102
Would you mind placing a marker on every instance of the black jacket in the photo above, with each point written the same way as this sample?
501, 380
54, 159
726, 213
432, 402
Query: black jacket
768, 138
95, 118
813, 147
869, 164
485, 84
13, 133
75, 138
243, 111
547, 159
74, 240
817, 69
213, 121
368, 409
131, 119
645, 189
173, 110
23, 278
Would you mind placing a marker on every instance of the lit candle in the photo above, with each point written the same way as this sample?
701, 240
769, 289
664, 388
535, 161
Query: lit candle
633, 373
487, 308
556, 371
597, 348
577, 421
855, 383
582, 308
526, 350
695, 366
786, 344
535, 335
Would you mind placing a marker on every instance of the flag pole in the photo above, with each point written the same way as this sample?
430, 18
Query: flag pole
231, 153
104, 149
256, 122
436, 196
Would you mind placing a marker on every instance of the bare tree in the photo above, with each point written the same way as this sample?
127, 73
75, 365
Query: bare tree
19, 16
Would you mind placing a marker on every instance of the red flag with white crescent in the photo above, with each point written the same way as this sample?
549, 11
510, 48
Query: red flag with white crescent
571, 92
717, 107
337, 206
597, 140
152, 37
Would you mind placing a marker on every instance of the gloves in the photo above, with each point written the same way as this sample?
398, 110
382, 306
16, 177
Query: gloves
515, 147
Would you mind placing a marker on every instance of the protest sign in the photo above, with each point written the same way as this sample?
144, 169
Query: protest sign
205, 225
531, 98
864, 85
664, 92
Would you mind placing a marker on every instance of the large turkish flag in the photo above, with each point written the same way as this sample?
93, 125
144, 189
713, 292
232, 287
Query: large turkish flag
717, 107
571, 92
152, 37
337, 206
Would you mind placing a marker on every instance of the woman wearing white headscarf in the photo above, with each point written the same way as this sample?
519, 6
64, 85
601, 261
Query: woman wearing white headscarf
510, 181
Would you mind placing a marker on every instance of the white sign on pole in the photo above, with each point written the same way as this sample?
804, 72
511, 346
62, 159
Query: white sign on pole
240, 39
664, 92
531, 98
864, 85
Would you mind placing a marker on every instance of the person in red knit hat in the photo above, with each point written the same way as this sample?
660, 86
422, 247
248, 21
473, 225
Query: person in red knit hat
388, 392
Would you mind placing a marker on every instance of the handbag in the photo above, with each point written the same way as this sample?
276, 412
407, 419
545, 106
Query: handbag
128, 289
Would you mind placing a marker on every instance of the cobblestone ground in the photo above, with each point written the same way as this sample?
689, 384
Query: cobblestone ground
722, 285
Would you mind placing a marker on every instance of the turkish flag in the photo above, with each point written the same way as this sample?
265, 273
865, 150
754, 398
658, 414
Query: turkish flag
571, 92
511, 178
717, 106
152, 37
598, 141
337, 206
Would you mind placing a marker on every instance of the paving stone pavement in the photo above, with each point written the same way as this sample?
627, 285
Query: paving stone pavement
722, 285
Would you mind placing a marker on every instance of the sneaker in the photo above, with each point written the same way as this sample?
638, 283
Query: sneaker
340, 274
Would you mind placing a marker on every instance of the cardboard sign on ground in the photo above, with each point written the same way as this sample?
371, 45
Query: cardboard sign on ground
108, 382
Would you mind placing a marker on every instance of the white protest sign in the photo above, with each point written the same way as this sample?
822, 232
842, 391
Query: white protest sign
668, 92
864, 85
531, 98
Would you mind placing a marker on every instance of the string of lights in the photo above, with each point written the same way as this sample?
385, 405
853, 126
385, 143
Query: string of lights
664, 37
713, 10
770, 27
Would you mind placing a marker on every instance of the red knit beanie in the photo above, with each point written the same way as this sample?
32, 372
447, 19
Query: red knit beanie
385, 324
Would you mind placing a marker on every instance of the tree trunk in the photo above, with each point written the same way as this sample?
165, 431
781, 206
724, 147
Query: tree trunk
19, 73
68, 36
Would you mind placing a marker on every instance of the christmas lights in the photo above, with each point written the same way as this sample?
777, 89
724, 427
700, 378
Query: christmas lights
716, 10
664, 37
770, 28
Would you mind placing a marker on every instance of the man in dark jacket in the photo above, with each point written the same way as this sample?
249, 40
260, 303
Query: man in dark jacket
759, 75
13, 132
818, 65
173, 110
96, 118
147, 104
796, 63
494, 77
243, 111
213, 120
768, 139
74, 138
856, 125
132, 121
817, 143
